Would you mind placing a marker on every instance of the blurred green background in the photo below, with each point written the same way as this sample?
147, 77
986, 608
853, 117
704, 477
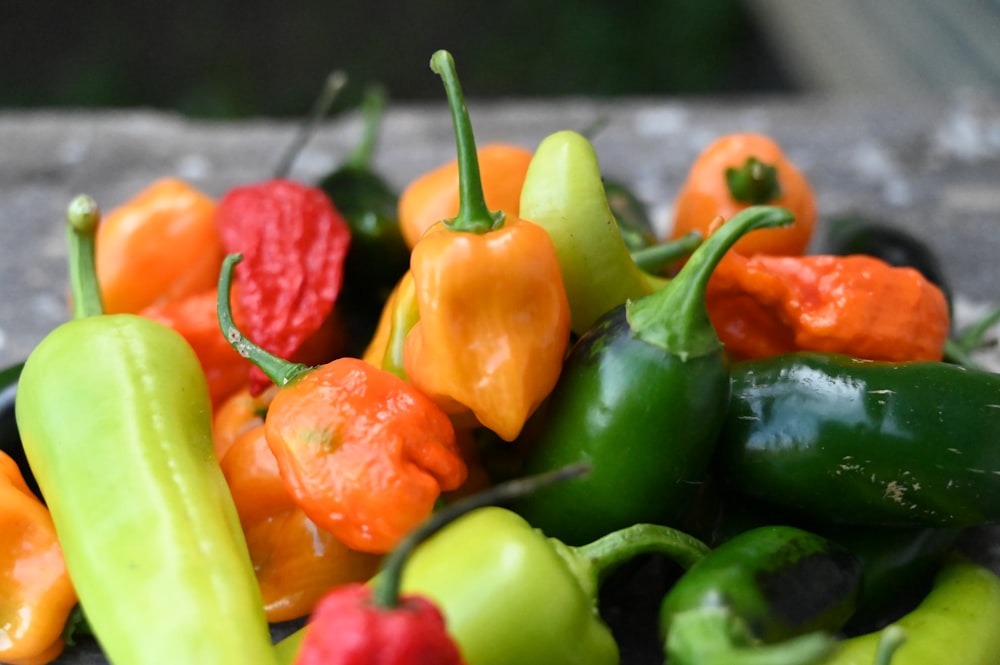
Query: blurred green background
226, 59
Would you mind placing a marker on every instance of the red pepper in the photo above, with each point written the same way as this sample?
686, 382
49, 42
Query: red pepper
294, 242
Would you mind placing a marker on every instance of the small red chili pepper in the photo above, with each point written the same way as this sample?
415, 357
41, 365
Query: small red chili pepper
294, 242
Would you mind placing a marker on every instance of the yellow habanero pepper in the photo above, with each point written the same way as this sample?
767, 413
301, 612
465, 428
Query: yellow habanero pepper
494, 317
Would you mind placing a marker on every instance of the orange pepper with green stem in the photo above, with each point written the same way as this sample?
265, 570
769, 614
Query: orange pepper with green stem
36, 594
494, 316
435, 195
361, 451
295, 561
738, 171
857, 305
157, 247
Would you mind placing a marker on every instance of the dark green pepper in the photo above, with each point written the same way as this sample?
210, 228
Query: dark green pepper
633, 219
861, 442
640, 398
764, 586
10, 440
378, 255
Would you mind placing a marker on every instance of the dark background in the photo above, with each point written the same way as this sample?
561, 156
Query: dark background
227, 59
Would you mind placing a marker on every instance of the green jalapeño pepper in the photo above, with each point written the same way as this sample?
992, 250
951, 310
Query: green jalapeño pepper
641, 399
115, 418
563, 193
861, 442
773, 594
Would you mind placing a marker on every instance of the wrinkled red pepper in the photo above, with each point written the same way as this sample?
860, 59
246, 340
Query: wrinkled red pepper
294, 242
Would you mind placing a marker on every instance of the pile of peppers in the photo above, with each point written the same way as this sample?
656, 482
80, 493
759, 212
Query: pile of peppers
303, 405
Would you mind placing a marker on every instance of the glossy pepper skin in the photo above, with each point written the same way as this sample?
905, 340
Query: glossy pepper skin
361, 451
564, 194
640, 397
740, 170
855, 305
851, 441
36, 594
159, 246
955, 623
494, 317
294, 560
756, 592
115, 418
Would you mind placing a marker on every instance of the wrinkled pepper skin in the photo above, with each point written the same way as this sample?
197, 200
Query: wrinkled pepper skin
115, 418
862, 442
778, 581
955, 623
640, 399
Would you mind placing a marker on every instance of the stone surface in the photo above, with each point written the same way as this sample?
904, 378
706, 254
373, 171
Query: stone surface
930, 166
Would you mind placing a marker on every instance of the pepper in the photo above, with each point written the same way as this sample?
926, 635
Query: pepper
861, 442
378, 256
36, 594
855, 305
114, 414
564, 194
238, 414
10, 440
294, 242
159, 246
772, 594
295, 561
494, 318
955, 623
640, 397
631, 215
510, 594
361, 451
436, 195
740, 170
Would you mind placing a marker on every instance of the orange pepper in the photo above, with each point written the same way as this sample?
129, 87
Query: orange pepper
435, 195
295, 561
36, 594
855, 305
494, 316
159, 246
237, 414
762, 174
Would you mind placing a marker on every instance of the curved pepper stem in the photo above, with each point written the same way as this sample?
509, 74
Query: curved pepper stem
372, 108
386, 592
608, 552
279, 370
328, 94
675, 318
473, 214
755, 182
657, 257
82, 217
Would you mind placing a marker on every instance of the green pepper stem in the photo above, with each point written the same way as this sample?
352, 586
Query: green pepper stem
334, 83
386, 592
755, 182
372, 108
675, 317
657, 257
609, 552
277, 369
473, 214
893, 637
82, 218
713, 636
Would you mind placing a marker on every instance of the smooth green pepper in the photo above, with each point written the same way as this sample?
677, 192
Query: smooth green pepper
511, 595
115, 418
378, 255
640, 398
955, 623
631, 215
563, 193
746, 600
861, 442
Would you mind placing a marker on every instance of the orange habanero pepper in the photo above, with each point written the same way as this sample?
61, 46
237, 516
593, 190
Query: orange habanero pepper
361, 451
236, 415
159, 246
295, 561
36, 594
435, 195
736, 172
856, 305
494, 316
